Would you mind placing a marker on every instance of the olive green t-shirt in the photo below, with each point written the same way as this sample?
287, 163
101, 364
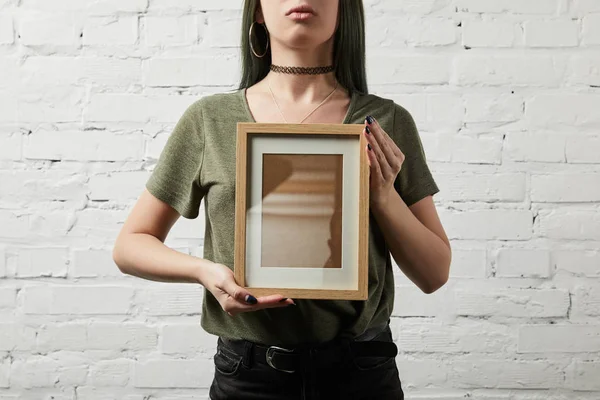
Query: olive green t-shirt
198, 162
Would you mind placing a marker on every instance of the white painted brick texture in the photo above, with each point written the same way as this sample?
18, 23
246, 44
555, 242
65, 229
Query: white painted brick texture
506, 95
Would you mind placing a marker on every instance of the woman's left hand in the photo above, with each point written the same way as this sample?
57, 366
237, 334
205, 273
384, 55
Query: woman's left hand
385, 162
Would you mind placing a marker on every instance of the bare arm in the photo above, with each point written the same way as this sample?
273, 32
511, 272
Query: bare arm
140, 251
417, 240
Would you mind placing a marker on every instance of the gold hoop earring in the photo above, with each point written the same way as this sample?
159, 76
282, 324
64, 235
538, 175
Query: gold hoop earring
250, 41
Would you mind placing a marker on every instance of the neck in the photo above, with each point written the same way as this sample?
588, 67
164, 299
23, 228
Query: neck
301, 88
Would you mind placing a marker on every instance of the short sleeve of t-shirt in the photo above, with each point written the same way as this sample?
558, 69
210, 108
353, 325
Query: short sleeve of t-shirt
415, 181
176, 176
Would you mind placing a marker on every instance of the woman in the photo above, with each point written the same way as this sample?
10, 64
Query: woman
303, 61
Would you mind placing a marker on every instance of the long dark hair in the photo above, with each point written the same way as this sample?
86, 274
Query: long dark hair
348, 47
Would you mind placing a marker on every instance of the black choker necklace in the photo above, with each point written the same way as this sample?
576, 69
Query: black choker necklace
301, 70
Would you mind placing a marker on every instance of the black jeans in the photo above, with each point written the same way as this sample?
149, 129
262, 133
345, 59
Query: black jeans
241, 374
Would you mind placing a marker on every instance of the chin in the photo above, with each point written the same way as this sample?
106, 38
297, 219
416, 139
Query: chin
304, 38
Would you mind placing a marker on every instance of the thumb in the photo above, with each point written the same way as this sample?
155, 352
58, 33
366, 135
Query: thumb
239, 293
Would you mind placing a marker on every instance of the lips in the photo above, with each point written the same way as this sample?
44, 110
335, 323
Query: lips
301, 9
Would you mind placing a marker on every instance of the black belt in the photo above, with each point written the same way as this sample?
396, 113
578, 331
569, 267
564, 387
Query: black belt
291, 360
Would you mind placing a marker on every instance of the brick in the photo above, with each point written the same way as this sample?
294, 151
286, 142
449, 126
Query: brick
14, 225
505, 70
5, 373
8, 298
466, 337
164, 373
42, 371
410, 32
551, 338
52, 104
111, 373
565, 187
506, 374
482, 187
83, 146
468, 263
514, 303
524, 147
583, 149
494, 224
57, 30
38, 185
421, 69
218, 70
186, 338
578, 262
585, 70
171, 31
136, 108
106, 7
179, 300
493, 108
78, 70
583, 376
224, 31
11, 145
110, 31
2, 264
563, 110
507, 6
591, 30
42, 262
476, 149
7, 35
77, 300
122, 336
551, 33
16, 336
586, 301
93, 263
568, 224
515, 263
120, 186
65, 337
494, 33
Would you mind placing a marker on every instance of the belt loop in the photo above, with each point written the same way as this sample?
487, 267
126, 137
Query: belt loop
247, 356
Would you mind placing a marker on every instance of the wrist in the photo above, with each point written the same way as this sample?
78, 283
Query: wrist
201, 271
380, 202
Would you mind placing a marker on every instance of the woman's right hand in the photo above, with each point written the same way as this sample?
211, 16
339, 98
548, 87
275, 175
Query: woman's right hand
234, 299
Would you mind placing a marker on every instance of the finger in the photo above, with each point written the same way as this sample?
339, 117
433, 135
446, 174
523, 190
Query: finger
374, 168
234, 306
238, 293
381, 138
384, 166
381, 134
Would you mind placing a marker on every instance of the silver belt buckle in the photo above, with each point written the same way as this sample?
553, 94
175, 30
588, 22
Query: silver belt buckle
270, 352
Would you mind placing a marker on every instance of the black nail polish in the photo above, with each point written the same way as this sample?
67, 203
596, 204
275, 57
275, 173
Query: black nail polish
369, 119
369, 146
367, 130
251, 299
283, 300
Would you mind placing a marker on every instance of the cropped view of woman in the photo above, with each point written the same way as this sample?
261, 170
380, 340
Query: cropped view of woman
303, 61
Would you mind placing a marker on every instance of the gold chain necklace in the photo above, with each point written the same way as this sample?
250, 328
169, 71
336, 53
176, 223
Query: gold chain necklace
310, 113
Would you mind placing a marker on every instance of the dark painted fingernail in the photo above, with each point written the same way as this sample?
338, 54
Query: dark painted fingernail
369, 146
369, 119
283, 300
251, 299
367, 130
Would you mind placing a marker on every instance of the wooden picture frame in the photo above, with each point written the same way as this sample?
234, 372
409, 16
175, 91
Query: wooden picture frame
302, 210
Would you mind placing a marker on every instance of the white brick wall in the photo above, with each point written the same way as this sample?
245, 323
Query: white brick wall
506, 94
